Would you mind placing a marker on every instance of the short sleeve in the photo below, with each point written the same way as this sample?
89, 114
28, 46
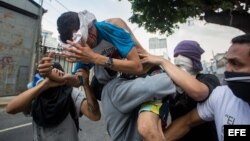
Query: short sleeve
210, 80
78, 97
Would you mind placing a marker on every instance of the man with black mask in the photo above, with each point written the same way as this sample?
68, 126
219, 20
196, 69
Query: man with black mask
228, 104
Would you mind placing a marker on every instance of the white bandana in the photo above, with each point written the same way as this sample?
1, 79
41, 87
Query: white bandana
87, 20
185, 64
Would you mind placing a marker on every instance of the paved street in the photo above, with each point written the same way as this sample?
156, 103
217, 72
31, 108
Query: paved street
19, 128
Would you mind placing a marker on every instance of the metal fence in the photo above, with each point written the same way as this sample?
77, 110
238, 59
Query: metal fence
67, 66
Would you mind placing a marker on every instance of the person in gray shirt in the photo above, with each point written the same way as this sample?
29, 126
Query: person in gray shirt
121, 100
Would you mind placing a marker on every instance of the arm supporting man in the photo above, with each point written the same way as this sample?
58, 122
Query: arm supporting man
23, 100
193, 87
179, 127
87, 55
90, 106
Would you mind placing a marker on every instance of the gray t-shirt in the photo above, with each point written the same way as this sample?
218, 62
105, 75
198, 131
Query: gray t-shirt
65, 131
121, 99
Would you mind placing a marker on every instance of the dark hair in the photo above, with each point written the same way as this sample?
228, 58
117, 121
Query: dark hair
66, 24
245, 38
57, 65
242, 39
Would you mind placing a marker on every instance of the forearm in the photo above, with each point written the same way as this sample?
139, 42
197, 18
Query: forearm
126, 66
23, 100
182, 125
194, 88
92, 110
176, 130
72, 80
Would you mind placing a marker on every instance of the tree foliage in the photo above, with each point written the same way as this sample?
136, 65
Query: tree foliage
164, 15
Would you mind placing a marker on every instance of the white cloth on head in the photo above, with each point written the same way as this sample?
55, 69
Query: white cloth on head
185, 64
86, 21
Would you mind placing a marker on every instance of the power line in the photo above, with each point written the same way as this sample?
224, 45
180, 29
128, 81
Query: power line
53, 7
50, 22
62, 5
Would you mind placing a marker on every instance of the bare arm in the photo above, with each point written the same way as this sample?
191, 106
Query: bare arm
132, 65
181, 126
90, 106
86, 55
45, 68
194, 88
121, 23
24, 99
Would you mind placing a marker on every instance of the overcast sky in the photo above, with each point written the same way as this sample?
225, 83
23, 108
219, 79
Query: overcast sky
212, 38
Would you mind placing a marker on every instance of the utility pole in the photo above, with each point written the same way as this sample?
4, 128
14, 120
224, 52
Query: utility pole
36, 49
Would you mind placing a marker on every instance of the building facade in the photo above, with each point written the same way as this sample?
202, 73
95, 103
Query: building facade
216, 65
48, 39
19, 37
158, 47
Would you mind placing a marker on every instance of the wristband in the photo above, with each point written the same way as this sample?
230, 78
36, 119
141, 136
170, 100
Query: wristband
109, 63
81, 80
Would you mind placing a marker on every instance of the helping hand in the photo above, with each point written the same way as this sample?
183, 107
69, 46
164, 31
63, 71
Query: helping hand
152, 59
45, 65
79, 53
50, 83
85, 74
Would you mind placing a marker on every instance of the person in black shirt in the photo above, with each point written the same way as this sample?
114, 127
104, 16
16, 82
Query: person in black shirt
191, 87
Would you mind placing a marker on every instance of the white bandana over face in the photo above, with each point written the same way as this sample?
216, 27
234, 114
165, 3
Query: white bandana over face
87, 20
185, 64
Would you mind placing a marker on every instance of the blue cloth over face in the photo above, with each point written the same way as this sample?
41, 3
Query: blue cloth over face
192, 50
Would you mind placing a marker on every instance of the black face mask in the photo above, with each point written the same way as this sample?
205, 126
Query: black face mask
239, 83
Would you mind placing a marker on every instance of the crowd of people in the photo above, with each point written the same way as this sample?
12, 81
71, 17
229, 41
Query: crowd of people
138, 91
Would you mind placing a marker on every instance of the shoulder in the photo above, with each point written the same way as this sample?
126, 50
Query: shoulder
210, 80
212, 77
223, 96
77, 94
117, 22
221, 89
217, 95
220, 93
217, 98
78, 98
76, 91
